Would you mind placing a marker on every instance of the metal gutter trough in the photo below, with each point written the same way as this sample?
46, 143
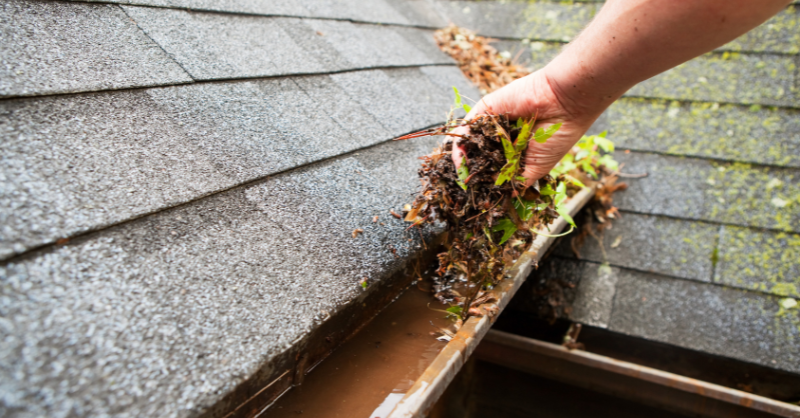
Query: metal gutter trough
626, 380
427, 389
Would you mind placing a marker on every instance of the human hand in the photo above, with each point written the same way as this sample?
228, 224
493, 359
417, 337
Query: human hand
534, 95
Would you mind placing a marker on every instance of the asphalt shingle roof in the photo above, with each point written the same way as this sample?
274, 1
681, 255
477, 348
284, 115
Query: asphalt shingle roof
180, 188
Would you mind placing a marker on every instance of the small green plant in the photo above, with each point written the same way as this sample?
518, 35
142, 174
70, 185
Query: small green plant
490, 209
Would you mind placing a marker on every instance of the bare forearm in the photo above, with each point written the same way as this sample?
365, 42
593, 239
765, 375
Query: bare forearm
632, 40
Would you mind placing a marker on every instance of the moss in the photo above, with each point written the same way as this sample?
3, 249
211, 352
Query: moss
556, 21
755, 134
758, 260
779, 34
738, 193
726, 77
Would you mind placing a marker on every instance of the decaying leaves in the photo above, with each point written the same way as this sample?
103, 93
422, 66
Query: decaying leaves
490, 215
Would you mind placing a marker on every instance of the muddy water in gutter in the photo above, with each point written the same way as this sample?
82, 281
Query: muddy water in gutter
368, 374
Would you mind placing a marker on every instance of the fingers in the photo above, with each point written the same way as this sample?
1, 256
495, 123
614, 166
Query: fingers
458, 152
534, 172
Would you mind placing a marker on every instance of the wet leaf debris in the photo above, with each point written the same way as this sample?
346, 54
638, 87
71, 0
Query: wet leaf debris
490, 215
479, 61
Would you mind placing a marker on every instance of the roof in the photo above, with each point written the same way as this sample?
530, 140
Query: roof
180, 184
709, 240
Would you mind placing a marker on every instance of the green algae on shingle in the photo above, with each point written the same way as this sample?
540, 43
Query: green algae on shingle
674, 247
732, 193
536, 20
556, 21
532, 54
722, 131
727, 77
760, 260
779, 34
739, 194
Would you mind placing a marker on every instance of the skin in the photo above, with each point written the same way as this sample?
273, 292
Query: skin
628, 42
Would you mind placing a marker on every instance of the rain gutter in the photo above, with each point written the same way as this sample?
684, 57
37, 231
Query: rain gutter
433, 382
626, 380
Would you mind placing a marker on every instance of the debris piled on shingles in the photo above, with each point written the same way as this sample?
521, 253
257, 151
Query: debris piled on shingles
478, 60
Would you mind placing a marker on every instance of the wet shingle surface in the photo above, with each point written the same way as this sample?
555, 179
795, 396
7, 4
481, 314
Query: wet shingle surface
195, 299
765, 261
78, 163
541, 20
729, 322
161, 245
730, 78
54, 47
554, 21
653, 244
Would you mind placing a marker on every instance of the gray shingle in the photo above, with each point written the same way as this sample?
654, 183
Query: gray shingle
759, 260
359, 123
534, 55
533, 20
448, 77
315, 44
398, 12
420, 12
378, 11
365, 86
214, 46
709, 318
80, 163
431, 101
345, 39
53, 47
594, 297
652, 243
706, 190
729, 132
423, 41
75, 163
728, 77
164, 315
781, 34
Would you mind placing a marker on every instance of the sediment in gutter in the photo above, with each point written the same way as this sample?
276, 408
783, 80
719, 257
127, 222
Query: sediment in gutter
433, 382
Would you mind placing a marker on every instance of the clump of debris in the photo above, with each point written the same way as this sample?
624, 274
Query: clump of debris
479, 61
490, 215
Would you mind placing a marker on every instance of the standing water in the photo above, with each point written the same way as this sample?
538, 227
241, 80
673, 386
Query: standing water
369, 374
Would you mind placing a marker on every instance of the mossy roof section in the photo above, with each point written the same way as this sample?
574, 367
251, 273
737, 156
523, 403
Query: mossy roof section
656, 244
562, 21
765, 261
728, 77
718, 216
750, 134
713, 191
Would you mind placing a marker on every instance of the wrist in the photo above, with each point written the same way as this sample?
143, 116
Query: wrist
577, 92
